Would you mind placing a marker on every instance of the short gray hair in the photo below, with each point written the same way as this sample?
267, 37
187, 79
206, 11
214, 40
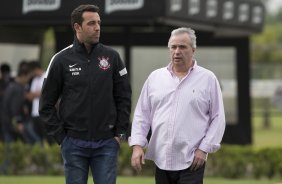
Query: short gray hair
189, 31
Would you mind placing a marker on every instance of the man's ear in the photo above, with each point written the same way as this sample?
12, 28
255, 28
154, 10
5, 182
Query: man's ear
77, 27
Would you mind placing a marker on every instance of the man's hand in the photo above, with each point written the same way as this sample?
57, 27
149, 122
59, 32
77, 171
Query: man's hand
199, 160
20, 127
137, 158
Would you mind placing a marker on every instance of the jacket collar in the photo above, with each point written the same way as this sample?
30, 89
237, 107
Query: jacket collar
80, 46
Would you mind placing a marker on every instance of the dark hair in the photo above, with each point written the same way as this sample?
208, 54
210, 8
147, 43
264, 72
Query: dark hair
5, 68
76, 15
34, 65
23, 69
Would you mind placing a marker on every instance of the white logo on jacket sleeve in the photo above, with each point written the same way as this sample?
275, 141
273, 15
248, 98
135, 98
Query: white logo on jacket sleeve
123, 72
104, 64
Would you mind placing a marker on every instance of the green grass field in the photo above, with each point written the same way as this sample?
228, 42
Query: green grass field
267, 137
120, 180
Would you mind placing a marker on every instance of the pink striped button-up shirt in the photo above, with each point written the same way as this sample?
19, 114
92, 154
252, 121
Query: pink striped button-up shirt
183, 115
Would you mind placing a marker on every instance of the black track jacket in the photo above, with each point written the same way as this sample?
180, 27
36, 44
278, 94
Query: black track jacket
86, 95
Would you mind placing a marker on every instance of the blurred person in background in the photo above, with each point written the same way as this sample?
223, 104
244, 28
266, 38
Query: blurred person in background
5, 79
13, 113
30, 136
33, 96
95, 102
182, 104
277, 98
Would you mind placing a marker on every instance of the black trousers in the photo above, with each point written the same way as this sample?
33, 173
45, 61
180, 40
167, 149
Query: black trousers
180, 177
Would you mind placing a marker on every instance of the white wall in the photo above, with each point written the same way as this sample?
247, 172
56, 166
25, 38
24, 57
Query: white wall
15, 53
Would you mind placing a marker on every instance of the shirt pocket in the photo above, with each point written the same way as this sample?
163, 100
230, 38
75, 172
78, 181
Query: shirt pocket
199, 100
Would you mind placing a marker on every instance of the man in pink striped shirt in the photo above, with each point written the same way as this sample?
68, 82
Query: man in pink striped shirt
182, 105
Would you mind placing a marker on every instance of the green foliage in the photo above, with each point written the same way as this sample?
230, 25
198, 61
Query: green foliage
18, 163
46, 160
231, 161
48, 48
269, 163
245, 162
266, 47
274, 18
1, 152
19, 158
124, 161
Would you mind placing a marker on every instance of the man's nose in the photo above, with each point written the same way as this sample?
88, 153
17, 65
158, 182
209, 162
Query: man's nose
97, 27
177, 50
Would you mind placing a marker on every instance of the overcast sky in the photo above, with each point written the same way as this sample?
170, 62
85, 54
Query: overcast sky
273, 5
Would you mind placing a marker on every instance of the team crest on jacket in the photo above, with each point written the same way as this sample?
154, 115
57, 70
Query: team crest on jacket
104, 64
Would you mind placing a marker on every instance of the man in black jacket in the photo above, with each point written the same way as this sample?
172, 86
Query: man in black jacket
92, 115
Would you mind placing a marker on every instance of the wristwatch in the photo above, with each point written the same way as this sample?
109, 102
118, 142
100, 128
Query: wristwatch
122, 137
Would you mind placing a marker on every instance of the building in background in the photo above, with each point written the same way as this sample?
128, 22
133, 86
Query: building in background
140, 29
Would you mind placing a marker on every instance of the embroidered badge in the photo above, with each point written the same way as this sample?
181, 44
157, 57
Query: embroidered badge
123, 72
74, 69
104, 64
